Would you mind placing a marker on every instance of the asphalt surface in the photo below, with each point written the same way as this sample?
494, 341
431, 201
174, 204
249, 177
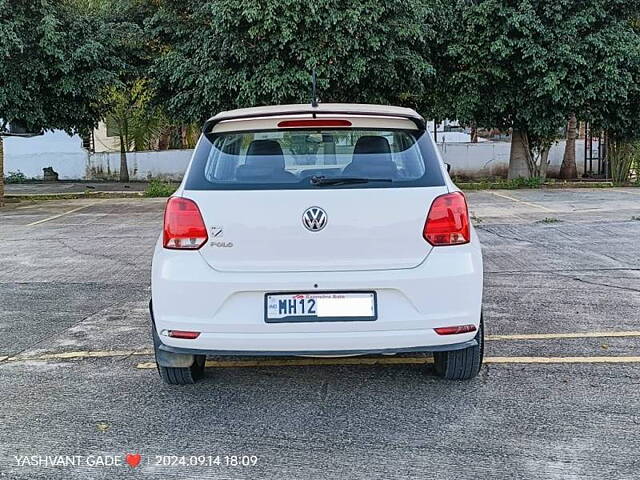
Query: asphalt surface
557, 262
43, 188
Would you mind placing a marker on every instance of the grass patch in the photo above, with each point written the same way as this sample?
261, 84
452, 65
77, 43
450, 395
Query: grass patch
502, 184
548, 220
160, 188
518, 183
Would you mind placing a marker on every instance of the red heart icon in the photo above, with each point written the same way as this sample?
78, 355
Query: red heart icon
133, 460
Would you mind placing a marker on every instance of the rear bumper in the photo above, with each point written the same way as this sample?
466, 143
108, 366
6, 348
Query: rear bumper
383, 351
228, 307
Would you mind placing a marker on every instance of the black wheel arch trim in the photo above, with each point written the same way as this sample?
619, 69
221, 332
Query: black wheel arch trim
166, 358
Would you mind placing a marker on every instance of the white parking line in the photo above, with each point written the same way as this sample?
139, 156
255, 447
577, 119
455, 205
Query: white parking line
502, 195
61, 215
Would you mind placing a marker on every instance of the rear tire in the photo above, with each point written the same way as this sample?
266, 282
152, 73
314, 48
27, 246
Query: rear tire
178, 375
183, 376
461, 364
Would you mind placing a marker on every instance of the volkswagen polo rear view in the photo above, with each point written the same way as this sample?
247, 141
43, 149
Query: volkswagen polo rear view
316, 230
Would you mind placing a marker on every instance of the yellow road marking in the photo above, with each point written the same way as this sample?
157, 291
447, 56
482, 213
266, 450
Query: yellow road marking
562, 359
320, 361
60, 215
309, 362
82, 354
553, 336
522, 201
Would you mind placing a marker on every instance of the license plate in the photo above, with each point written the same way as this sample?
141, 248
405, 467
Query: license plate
320, 307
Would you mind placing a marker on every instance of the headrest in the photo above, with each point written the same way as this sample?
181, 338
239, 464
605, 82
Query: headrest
265, 153
372, 144
375, 147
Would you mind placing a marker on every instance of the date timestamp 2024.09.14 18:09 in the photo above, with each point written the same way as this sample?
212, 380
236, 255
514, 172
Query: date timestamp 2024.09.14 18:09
206, 460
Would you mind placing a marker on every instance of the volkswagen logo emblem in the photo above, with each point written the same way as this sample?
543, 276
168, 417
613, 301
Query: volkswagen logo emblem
314, 219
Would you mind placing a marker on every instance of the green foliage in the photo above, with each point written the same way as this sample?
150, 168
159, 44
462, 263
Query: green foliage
55, 60
524, 65
15, 177
502, 184
160, 188
138, 122
622, 156
549, 220
223, 54
533, 182
527, 64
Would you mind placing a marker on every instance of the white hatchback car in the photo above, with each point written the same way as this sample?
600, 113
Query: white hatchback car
316, 230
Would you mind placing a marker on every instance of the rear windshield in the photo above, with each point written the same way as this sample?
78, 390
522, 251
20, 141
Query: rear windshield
307, 159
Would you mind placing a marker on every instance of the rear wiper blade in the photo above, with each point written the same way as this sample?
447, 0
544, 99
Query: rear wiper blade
320, 180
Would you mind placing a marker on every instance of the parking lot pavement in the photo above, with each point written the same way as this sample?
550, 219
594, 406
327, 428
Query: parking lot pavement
556, 399
43, 188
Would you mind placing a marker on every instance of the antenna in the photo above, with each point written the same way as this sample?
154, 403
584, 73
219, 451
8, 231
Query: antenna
314, 97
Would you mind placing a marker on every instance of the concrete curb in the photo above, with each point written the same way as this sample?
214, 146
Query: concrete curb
506, 186
72, 196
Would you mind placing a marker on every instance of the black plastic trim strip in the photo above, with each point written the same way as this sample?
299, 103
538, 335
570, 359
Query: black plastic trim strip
251, 353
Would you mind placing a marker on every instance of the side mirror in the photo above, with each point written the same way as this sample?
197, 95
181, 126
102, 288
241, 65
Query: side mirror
448, 167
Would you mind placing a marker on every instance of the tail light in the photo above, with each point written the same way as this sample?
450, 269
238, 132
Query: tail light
183, 225
455, 330
448, 221
183, 334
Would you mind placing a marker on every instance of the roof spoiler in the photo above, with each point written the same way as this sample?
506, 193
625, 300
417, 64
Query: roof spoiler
328, 110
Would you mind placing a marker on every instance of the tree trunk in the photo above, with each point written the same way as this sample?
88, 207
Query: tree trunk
1, 171
544, 163
520, 155
183, 137
163, 140
568, 170
474, 132
124, 169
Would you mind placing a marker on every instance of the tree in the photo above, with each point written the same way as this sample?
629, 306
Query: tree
568, 168
137, 121
223, 54
55, 61
524, 65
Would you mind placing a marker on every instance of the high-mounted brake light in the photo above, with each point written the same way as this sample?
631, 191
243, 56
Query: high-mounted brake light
184, 228
448, 221
455, 330
316, 122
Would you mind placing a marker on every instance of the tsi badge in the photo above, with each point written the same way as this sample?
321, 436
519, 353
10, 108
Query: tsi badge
216, 238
